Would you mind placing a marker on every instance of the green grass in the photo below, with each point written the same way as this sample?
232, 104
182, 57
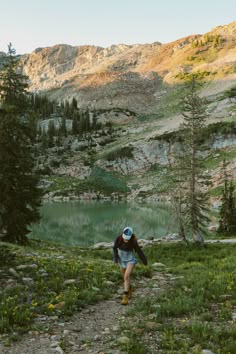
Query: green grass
218, 191
19, 305
100, 181
170, 102
199, 305
220, 155
108, 182
135, 344
150, 117
61, 183
194, 311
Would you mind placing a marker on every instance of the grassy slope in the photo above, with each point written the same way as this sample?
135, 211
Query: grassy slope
194, 314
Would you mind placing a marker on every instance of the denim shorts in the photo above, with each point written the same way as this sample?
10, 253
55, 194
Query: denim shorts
126, 258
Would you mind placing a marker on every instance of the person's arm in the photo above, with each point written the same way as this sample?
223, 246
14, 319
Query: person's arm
140, 253
115, 251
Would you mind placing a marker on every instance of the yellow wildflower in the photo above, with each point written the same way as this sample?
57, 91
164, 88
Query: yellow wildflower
51, 306
89, 270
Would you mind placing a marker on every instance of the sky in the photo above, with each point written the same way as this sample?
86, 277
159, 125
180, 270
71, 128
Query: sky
29, 24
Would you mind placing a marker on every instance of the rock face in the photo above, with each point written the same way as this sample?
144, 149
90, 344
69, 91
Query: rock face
133, 77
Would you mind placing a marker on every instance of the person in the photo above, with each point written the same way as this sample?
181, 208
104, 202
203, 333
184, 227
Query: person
123, 254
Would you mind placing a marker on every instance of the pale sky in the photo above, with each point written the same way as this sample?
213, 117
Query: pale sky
29, 24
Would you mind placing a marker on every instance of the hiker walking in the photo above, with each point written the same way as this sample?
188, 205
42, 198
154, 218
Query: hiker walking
123, 252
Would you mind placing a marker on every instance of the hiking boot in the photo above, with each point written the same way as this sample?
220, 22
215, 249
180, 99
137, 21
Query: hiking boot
125, 300
131, 290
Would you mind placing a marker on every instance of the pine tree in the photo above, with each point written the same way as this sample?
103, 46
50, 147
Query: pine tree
87, 122
62, 128
189, 163
74, 104
44, 140
82, 123
232, 208
227, 223
67, 110
51, 133
20, 197
75, 123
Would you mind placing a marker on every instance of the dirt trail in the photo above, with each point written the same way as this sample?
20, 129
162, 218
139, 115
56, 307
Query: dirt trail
96, 329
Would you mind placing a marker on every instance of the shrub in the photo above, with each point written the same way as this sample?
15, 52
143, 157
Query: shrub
124, 152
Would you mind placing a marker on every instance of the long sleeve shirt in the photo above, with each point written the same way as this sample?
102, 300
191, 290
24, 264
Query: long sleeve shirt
131, 245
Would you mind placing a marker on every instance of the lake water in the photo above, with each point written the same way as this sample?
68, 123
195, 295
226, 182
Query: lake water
86, 223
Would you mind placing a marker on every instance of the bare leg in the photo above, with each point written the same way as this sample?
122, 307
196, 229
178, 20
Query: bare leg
127, 274
123, 270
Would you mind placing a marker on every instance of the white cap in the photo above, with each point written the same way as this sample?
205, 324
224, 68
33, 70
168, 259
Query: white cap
127, 233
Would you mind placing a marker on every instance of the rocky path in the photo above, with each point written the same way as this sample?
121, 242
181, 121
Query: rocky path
96, 329
226, 240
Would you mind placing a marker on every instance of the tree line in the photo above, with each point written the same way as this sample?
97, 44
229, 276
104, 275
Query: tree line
58, 115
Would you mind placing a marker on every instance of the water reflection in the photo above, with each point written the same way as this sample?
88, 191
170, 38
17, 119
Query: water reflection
86, 223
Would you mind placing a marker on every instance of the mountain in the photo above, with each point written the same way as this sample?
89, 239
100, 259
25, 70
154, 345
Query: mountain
138, 89
134, 77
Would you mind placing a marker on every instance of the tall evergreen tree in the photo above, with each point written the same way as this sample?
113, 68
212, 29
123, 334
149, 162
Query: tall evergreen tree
51, 133
20, 197
67, 110
62, 131
82, 123
74, 104
44, 139
189, 163
227, 223
75, 123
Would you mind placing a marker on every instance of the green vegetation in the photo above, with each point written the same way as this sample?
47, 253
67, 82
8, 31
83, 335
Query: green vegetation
208, 135
231, 92
20, 304
227, 223
170, 101
192, 312
108, 182
196, 312
120, 153
62, 183
219, 155
188, 197
217, 191
20, 197
208, 132
200, 75
195, 58
208, 39
100, 182
224, 128
161, 177
150, 117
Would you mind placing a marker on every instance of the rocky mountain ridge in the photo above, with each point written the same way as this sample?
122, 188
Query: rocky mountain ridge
135, 77
132, 77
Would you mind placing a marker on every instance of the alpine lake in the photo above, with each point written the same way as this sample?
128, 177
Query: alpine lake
85, 223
